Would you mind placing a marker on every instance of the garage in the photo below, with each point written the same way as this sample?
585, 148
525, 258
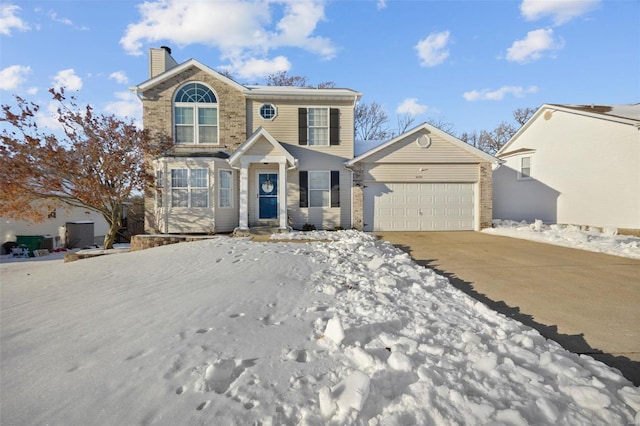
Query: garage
422, 180
419, 207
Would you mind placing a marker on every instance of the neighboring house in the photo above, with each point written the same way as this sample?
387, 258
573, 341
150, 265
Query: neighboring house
573, 164
56, 227
245, 156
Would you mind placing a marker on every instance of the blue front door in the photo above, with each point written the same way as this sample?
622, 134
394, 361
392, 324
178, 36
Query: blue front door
267, 195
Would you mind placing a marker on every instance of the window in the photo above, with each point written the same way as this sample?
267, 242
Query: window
196, 115
268, 111
159, 187
318, 126
224, 188
525, 168
189, 188
320, 189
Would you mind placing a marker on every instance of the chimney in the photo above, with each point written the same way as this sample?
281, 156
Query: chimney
160, 60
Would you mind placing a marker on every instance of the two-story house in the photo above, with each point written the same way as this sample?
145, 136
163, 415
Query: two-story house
246, 155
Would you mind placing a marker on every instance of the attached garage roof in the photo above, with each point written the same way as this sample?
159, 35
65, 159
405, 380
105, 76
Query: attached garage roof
430, 129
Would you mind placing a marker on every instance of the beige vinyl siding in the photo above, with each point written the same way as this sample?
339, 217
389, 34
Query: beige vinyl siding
425, 172
284, 127
263, 148
407, 151
322, 218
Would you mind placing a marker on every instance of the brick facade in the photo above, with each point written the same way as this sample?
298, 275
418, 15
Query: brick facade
486, 195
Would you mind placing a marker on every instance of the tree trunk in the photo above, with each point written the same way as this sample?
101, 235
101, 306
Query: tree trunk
115, 223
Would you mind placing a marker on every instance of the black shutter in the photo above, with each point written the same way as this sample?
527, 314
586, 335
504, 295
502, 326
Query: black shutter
335, 188
334, 126
302, 126
304, 198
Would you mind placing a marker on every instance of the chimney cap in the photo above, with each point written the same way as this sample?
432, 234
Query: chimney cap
167, 48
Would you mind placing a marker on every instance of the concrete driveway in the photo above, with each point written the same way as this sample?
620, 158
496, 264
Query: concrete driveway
588, 302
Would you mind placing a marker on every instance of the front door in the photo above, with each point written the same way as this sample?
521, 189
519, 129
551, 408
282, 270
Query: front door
268, 195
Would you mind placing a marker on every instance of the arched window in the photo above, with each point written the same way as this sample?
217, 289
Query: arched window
196, 115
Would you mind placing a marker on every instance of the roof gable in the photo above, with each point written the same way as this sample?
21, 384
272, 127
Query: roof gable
152, 82
261, 134
416, 131
626, 114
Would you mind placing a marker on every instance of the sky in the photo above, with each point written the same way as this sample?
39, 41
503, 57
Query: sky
344, 331
466, 64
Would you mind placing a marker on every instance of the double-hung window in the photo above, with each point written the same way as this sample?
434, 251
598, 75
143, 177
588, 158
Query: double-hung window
195, 115
319, 188
525, 168
318, 126
189, 188
224, 188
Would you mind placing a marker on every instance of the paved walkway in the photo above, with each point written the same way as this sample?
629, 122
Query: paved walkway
588, 302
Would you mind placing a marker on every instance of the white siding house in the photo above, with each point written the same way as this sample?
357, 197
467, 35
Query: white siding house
573, 164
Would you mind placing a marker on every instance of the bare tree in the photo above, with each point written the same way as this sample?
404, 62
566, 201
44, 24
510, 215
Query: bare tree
370, 122
522, 115
281, 78
492, 141
405, 121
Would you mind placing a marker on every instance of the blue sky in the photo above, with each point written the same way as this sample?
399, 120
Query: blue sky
468, 63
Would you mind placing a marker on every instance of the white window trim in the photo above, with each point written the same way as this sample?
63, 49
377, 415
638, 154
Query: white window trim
275, 109
189, 188
520, 175
309, 189
196, 126
230, 206
327, 142
160, 187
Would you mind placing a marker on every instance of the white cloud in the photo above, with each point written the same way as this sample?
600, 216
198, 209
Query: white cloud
255, 68
560, 11
119, 76
433, 49
238, 29
9, 19
128, 106
67, 79
412, 107
382, 4
54, 17
497, 95
13, 76
533, 46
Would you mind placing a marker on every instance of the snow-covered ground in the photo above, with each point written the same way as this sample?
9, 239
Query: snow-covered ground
603, 241
227, 331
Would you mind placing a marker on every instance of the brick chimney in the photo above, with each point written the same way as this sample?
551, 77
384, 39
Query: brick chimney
160, 60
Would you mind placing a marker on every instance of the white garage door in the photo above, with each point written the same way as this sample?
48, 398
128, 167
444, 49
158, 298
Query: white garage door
418, 207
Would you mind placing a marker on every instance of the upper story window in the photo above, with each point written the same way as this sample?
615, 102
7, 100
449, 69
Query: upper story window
525, 168
196, 115
268, 111
319, 126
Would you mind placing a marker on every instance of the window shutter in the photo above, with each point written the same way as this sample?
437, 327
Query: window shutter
304, 199
335, 188
334, 126
302, 126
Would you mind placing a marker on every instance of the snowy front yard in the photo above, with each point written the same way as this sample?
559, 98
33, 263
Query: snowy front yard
227, 331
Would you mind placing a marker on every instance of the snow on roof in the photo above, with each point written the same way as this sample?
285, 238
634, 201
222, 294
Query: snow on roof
360, 147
